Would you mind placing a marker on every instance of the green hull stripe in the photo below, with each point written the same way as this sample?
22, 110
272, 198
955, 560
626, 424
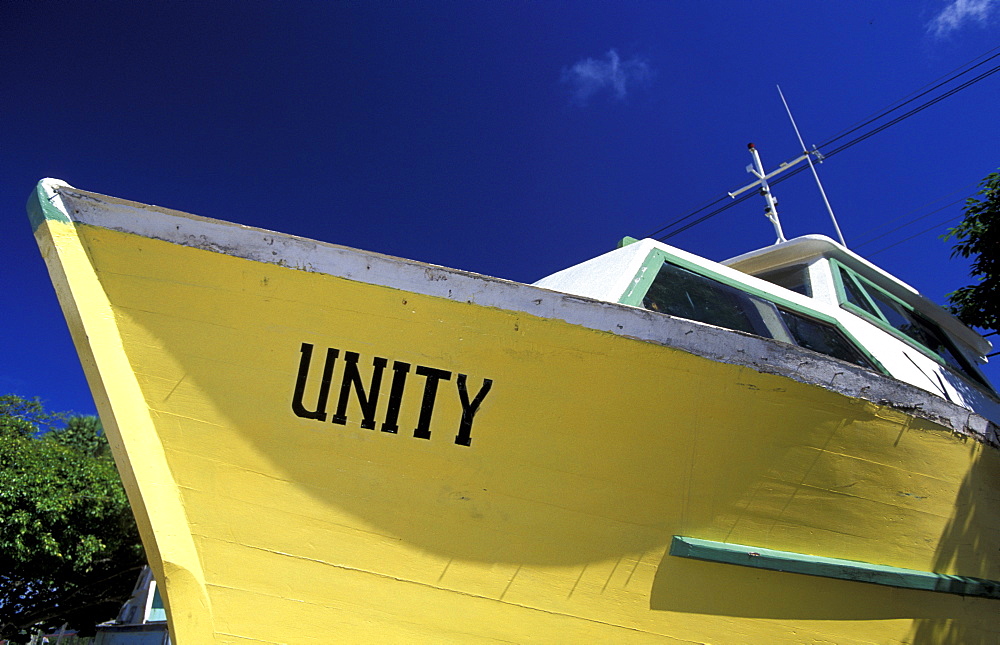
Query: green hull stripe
41, 209
750, 556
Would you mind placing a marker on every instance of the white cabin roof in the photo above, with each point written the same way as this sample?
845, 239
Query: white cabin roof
808, 248
605, 277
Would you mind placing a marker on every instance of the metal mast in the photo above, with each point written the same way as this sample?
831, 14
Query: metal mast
757, 170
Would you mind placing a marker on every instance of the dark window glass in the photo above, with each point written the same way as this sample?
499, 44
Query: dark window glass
684, 294
897, 315
823, 338
795, 278
910, 323
924, 332
854, 295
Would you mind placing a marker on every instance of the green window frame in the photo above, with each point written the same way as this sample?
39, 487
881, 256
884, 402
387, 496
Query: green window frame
862, 297
644, 278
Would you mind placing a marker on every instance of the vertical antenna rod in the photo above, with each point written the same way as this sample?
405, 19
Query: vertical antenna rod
812, 167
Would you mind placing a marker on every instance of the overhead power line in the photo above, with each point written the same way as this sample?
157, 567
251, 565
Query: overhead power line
916, 95
915, 219
963, 189
724, 198
936, 227
915, 110
675, 227
908, 222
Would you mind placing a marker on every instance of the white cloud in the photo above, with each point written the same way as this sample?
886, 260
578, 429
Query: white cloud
609, 74
958, 13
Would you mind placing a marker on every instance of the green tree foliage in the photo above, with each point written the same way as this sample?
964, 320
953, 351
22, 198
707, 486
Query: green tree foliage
69, 547
978, 237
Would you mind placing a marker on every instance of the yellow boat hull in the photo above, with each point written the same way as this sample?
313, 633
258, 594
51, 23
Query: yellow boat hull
515, 478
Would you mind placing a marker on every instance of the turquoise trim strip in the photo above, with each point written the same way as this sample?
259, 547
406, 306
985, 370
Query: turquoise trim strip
643, 279
750, 556
40, 208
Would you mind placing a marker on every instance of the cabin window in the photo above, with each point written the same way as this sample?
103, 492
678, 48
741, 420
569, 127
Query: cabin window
686, 294
683, 293
794, 278
822, 337
854, 293
882, 308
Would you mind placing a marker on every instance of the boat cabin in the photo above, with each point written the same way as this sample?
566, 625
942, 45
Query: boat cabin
809, 291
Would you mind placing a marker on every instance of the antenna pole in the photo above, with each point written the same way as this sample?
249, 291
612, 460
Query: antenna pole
771, 211
757, 170
812, 167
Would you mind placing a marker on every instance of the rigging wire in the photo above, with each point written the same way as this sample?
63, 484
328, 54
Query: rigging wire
848, 144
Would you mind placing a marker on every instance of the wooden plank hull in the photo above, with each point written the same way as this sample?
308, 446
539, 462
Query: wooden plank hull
316, 458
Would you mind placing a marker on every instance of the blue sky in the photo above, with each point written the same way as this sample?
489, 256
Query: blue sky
508, 138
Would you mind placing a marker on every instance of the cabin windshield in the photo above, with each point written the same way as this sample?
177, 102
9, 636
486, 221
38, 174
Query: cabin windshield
864, 298
685, 294
680, 292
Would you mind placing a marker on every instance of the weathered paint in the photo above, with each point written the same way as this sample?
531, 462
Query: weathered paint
41, 207
601, 437
459, 286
